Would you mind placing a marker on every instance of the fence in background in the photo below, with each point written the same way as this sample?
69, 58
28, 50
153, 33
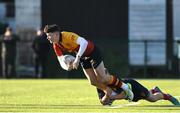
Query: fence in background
117, 59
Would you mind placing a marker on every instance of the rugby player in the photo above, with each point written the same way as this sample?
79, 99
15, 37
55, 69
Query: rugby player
140, 92
88, 55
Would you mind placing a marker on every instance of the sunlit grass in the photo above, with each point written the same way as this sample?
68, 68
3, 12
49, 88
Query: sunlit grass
77, 95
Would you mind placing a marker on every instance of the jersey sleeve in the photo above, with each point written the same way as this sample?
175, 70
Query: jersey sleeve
57, 50
83, 45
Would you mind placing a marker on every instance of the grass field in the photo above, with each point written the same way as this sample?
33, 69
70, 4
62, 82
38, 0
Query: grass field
76, 96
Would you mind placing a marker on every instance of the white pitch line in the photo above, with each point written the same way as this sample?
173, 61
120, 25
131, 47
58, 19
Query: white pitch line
125, 105
91, 112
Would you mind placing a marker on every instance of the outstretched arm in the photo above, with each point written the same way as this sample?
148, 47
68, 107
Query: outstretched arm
60, 57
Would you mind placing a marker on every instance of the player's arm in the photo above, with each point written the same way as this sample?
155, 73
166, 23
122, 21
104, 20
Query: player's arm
60, 57
83, 45
119, 96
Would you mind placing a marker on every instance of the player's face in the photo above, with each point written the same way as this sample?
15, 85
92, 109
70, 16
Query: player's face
53, 37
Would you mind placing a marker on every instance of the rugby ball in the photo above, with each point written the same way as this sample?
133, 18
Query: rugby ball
67, 62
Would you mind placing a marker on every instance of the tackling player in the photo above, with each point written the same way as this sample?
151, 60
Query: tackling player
88, 55
140, 92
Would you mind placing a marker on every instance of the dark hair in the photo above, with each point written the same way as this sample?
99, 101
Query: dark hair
51, 28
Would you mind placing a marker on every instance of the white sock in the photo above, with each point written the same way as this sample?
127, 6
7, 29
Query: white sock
124, 86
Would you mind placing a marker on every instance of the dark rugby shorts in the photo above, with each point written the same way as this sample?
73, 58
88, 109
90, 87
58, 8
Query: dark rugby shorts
140, 92
93, 60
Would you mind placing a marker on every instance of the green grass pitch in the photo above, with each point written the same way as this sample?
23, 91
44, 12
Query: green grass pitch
76, 96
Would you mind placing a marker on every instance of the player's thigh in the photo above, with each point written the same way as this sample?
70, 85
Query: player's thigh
101, 73
91, 76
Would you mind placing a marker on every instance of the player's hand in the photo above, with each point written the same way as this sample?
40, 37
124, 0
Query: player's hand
70, 65
76, 62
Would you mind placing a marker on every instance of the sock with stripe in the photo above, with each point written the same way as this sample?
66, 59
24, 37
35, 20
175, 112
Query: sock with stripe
115, 82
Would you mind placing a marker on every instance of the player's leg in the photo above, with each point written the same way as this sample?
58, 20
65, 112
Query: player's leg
153, 97
103, 76
93, 79
86, 64
111, 80
139, 91
101, 88
164, 96
90, 74
119, 96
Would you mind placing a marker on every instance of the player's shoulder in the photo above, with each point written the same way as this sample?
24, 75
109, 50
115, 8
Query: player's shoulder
68, 33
